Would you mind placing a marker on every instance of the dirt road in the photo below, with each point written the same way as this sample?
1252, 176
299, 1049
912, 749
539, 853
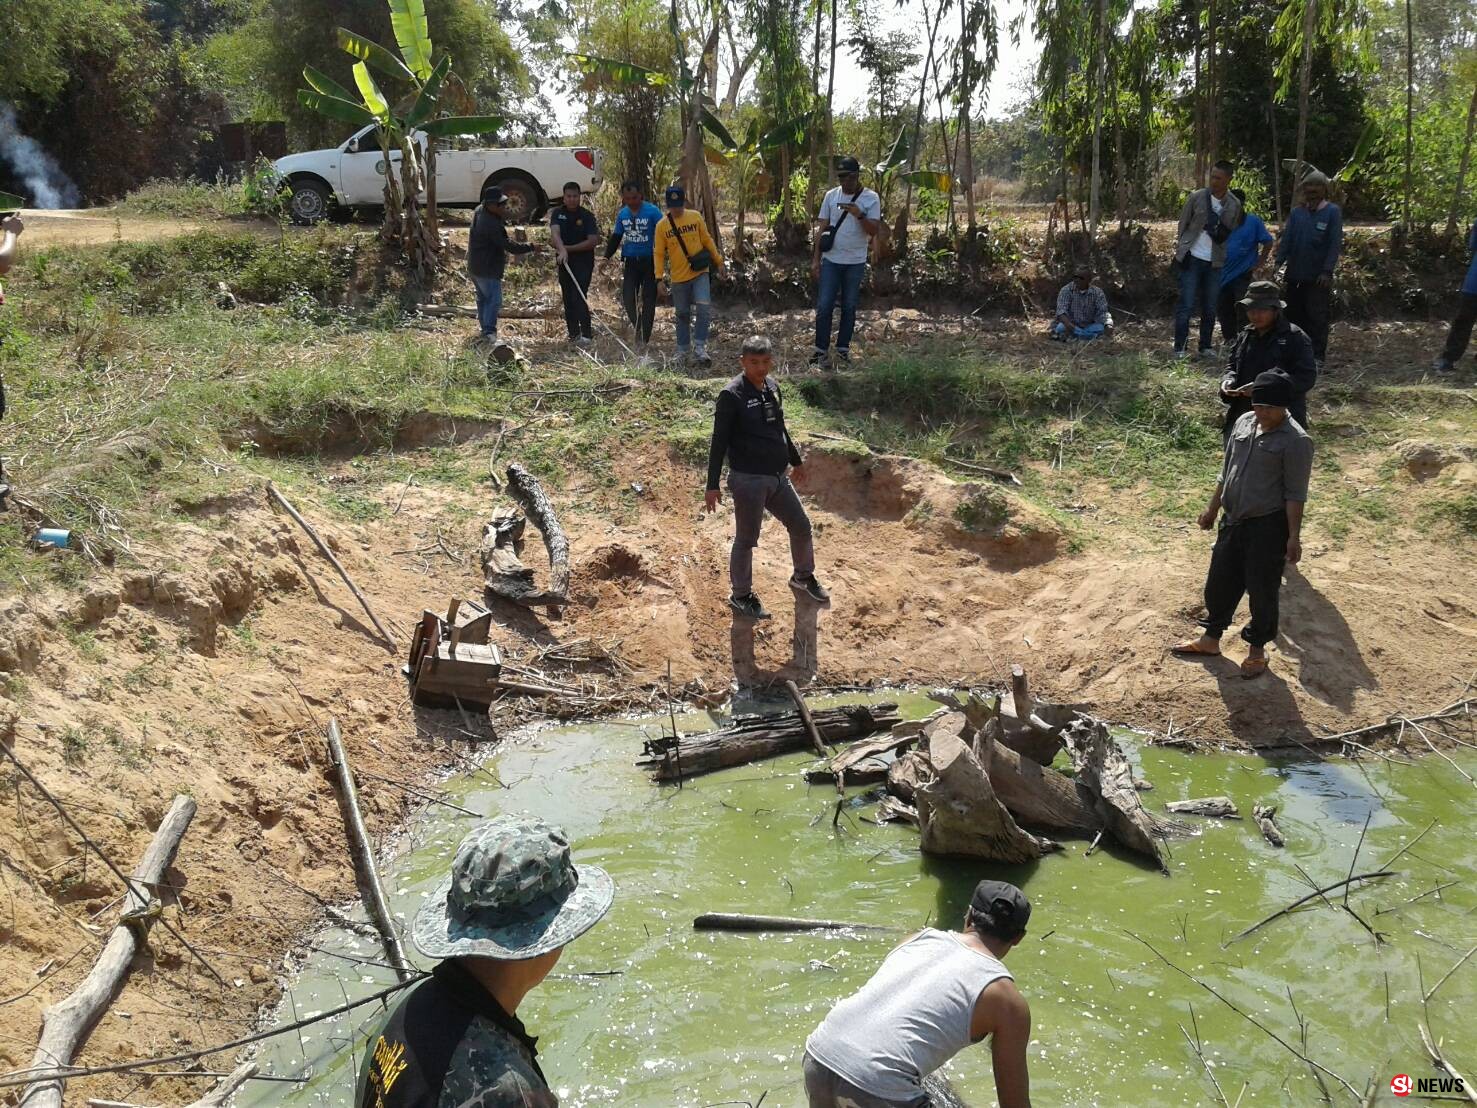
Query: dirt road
85, 226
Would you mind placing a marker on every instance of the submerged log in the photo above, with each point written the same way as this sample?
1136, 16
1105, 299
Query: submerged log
735, 921
1221, 807
524, 488
1266, 819
959, 813
751, 738
1103, 770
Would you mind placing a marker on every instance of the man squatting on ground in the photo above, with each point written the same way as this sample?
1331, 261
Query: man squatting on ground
850, 215
634, 232
1309, 247
683, 243
1206, 222
498, 925
10, 230
749, 430
1262, 489
1269, 341
935, 994
1081, 308
575, 235
488, 247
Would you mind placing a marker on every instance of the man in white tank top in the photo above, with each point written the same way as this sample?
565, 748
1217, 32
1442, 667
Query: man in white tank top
934, 995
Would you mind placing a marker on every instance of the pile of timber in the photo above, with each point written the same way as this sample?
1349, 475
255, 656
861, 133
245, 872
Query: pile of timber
750, 738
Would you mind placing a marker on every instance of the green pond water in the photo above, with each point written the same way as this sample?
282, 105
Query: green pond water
701, 1018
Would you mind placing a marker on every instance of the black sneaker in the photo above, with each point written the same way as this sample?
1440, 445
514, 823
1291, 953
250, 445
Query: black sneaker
811, 588
748, 606
820, 358
843, 357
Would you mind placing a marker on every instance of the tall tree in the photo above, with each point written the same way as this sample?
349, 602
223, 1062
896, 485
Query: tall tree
1459, 189
977, 53
1409, 114
1100, 94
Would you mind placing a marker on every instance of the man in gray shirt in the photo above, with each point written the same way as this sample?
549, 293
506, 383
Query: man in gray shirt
1263, 487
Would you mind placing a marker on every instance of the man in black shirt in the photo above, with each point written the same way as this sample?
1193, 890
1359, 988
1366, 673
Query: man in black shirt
749, 430
488, 247
1268, 342
499, 924
575, 235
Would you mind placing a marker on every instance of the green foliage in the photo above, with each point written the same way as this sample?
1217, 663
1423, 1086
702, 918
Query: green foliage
1459, 513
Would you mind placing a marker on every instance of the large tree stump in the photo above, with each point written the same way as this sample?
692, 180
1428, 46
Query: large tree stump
504, 574
960, 814
1103, 770
1036, 795
524, 488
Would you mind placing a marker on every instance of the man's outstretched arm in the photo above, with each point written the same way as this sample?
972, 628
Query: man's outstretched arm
1003, 1014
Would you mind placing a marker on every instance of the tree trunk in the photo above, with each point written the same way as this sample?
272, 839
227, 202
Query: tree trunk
525, 489
751, 738
66, 1024
1036, 795
1199, 102
1101, 67
1276, 153
959, 813
1459, 188
812, 186
433, 216
831, 100
966, 47
900, 231
1409, 113
1213, 102
1305, 79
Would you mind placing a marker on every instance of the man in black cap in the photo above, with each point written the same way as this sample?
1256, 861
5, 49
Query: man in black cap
1262, 489
1081, 308
935, 994
850, 215
488, 247
1269, 341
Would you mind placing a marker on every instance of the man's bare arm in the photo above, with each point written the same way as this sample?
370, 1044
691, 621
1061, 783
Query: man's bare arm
1003, 1014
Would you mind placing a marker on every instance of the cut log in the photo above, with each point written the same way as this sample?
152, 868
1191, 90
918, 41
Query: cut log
733, 921
751, 738
524, 488
366, 872
66, 1024
1221, 807
1036, 795
1102, 770
906, 774
810, 732
503, 572
1266, 819
850, 760
959, 813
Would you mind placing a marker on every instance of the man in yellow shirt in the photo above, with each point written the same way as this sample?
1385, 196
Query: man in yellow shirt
682, 240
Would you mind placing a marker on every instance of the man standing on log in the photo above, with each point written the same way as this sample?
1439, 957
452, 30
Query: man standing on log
749, 430
934, 995
1263, 487
498, 924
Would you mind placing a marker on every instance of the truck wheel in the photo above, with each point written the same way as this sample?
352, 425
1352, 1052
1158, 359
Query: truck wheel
309, 203
524, 201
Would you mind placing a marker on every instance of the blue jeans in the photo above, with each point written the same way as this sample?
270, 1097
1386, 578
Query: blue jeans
489, 303
845, 281
687, 296
1081, 331
1199, 285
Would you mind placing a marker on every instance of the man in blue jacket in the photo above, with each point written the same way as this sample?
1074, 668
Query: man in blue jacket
1466, 314
1309, 247
1246, 253
635, 232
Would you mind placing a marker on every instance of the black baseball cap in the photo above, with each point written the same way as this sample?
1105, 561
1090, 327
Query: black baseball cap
847, 164
494, 195
676, 196
1002, 906
1272, 389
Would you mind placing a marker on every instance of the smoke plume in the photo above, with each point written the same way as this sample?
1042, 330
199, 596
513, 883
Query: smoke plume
43, 181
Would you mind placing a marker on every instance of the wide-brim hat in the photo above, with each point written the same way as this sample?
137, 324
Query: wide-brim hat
1263, 294
513, 893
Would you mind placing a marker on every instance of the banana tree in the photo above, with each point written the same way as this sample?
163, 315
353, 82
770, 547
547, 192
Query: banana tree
747, 158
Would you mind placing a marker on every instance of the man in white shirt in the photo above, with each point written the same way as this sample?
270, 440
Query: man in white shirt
850, 215
1209, 217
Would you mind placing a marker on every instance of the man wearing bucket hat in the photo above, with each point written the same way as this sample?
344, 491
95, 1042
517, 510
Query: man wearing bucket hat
1262, 489
1268, 341
935, 994
498, 925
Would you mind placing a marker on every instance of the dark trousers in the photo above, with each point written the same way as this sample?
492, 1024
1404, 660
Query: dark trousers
1228, 307
1461, 328
1247, 561
639, 276
754, 494
576, 310
1199, 282
1308, 307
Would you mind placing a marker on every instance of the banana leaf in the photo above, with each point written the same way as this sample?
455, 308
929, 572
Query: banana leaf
412, 35
716, 128
1361, 151
425, 101
335, 108
463, 125
716, 158
900, 152
792, 132
325, 84
372, 53
374, 99
613, 73
929, 179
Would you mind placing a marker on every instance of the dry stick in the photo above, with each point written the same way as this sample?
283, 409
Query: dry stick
1354, 861
1300, 1056
1413, 899
365, 870
1393, 858
1303, 900
342, 572
128, 883
1455, 708
1440, 753
1426, 999
67, 1023
733, 921
1445, 1066
810, 729
26, 1076
430, 798
1200, 1053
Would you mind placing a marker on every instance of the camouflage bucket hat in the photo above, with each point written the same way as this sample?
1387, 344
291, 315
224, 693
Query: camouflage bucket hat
513, 893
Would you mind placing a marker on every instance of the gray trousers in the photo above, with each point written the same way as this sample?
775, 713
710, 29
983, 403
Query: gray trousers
827, 1089
753, 494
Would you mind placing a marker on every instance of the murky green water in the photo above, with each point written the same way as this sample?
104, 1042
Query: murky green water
702, 1018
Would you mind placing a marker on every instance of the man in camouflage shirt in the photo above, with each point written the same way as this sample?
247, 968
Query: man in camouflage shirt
498, 924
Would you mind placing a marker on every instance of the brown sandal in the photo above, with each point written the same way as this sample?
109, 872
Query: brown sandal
1193, 649
1253, 667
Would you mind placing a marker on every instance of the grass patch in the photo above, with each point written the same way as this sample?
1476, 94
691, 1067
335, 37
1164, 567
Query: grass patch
75, 746
1456, 514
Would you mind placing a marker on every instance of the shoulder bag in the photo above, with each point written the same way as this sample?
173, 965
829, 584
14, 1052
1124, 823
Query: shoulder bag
700, 262
828, 236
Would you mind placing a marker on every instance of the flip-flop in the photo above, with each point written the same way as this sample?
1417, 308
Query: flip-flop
1253, 667
1193, 650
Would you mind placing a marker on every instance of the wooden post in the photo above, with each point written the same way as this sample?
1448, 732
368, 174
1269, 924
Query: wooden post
366, 873
66, 1024
815, 736
342, 572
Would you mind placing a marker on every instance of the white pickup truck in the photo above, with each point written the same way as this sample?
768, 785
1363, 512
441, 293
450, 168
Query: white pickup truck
352, 175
